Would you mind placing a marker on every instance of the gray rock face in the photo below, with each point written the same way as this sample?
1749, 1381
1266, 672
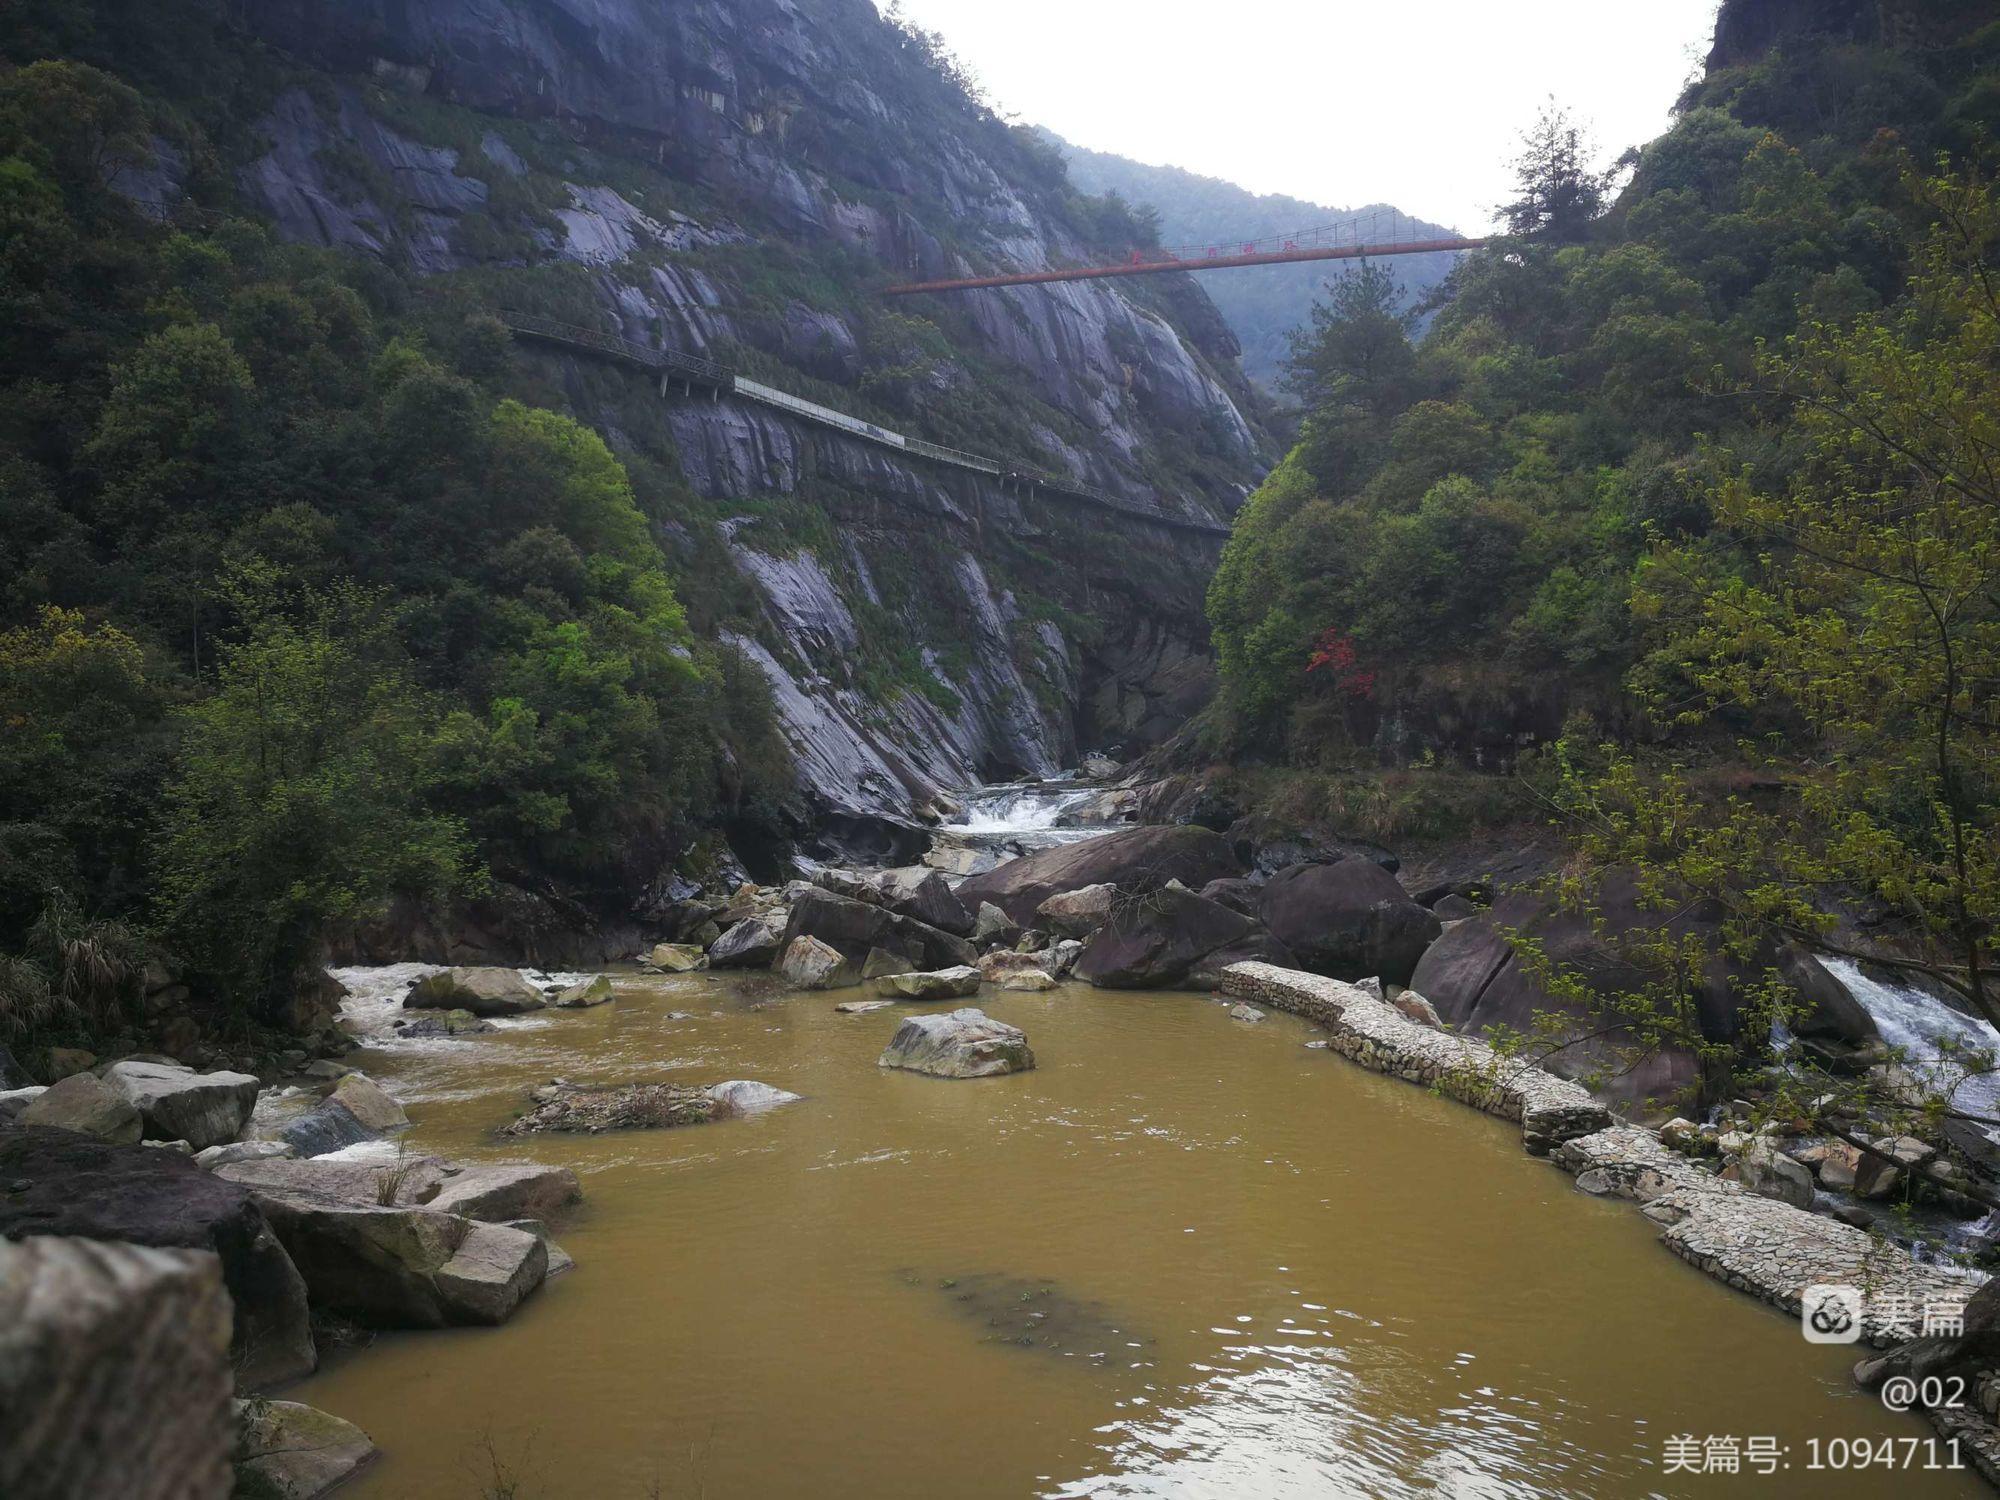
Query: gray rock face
298, 1452
63, 1184
936, 984
1769, 1173
704, 92
87, 1105
483, 991
961, 1044
114, 1372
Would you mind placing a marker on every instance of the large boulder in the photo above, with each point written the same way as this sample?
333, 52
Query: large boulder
371, 1107
114, 1372
296, 1452
809, 964
750, 944
1153, 943
386, 1264
1136, 860
959, 1044
87, 1105
1348, 920
500, 1191
1078, 913
63, 1184
854, 927
926, 895
483, 991
955, 983
1477, 982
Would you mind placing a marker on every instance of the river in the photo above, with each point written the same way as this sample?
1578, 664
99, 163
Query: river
1186, 1256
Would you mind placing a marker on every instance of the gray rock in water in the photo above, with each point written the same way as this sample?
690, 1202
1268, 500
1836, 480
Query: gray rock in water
959, 1044
935, 984
676, 958
327, 1127
750, 944
114, 1372
595, 990
390, 1265
862, 1007
809, 964
364, 1099
297, 1452
483, 991
746, 1096
179, 1104
1242, 1012
87, 1105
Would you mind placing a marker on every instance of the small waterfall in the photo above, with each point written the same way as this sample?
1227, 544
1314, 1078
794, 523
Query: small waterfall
1023, 810
1934, 1038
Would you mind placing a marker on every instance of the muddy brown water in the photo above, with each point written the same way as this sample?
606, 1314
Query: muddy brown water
1186, 1256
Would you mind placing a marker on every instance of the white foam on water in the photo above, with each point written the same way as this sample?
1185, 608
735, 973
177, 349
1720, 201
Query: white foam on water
1934, 1038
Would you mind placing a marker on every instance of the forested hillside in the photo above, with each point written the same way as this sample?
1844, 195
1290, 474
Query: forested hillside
1681, 519
1265, 305
321, 597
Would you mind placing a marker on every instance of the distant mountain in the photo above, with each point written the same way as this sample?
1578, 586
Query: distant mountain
1262, 303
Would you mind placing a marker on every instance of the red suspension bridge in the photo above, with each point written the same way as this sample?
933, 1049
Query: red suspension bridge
1381, 232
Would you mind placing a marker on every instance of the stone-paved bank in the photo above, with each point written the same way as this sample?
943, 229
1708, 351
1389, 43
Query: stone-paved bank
1758, 1245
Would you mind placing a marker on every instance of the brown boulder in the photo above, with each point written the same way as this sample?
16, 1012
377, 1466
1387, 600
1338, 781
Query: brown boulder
1349, 920
1136, 860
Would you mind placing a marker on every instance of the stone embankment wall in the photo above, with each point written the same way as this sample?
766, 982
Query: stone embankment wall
1758, 1245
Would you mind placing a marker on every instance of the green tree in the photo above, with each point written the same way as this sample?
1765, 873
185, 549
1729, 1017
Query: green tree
298, 799
1560, 193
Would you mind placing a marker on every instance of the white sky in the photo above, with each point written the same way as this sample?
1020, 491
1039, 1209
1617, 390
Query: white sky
1418, 103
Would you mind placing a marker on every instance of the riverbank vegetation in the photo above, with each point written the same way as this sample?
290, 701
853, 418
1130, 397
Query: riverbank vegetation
1680, 519
305, 610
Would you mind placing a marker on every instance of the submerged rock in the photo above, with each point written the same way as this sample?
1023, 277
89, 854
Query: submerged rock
1031, 1313
1242, 1012
959, 1044
483, 991
936, 984
297, 1452
862, 1007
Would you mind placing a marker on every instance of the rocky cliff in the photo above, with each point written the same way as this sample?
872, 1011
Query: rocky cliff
737, 180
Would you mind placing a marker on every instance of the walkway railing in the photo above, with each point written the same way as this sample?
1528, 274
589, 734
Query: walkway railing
720, 378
